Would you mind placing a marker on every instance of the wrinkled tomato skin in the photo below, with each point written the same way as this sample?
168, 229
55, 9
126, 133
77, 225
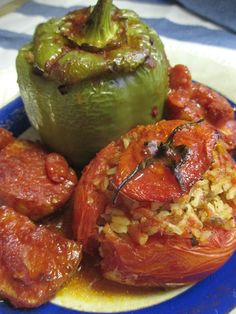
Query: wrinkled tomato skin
89, 203
180, 78
191, 101
25, 183
228, 133
217, 108
179, 107
165, 261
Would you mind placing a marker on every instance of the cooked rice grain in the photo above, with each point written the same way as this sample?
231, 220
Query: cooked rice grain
205, 206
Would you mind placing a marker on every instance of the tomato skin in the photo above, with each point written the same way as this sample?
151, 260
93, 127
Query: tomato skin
164, 261
157, 182
191, 101
89, 203
218, 110
228, 133
179, 107
180, 77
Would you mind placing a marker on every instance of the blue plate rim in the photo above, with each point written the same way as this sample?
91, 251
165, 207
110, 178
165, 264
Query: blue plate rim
214, 295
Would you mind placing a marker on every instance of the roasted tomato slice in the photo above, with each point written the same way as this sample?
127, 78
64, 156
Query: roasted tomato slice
152, 233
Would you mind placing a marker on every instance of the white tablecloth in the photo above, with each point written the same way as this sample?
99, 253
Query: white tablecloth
208, 49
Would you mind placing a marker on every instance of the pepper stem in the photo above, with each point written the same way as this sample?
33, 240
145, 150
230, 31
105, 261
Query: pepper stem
99, 29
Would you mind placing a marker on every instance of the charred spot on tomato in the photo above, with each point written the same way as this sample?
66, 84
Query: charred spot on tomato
101, 221
154, 112
185, 154
173, 157
216, 221
194, 240
150, 147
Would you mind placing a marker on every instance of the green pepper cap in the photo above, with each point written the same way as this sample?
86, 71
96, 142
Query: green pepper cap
91, 42
99, 29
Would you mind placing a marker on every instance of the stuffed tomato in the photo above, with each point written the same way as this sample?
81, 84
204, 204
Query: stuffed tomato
159, 205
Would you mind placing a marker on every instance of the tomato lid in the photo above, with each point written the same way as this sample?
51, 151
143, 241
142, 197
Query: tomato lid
165, 177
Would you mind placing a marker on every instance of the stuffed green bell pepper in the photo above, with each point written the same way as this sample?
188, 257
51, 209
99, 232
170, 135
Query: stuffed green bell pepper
90, 76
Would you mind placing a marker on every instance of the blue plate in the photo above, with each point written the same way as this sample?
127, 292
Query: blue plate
214, 295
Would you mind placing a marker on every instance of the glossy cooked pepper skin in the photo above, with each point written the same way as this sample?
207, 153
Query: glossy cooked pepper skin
79, 95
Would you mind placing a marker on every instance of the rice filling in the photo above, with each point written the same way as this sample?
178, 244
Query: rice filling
208, 205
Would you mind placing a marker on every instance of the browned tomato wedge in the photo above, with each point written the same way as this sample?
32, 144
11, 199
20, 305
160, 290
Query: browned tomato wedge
33, 182
159, 205
34, 262
191, 101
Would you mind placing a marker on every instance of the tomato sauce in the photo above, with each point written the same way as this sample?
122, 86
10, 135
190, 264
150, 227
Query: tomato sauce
89, 291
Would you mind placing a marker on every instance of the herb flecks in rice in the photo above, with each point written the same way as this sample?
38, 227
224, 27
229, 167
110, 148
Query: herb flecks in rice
208, 205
